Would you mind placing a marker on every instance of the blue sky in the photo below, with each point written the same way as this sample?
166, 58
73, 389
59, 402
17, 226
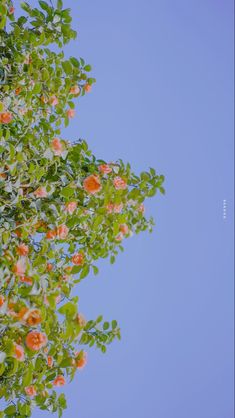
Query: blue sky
163, 98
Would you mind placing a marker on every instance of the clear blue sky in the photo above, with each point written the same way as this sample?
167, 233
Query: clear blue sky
163, 98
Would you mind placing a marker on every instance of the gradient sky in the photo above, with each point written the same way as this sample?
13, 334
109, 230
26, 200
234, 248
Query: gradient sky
163, 98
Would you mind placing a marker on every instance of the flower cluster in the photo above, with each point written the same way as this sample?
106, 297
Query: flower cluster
61, 210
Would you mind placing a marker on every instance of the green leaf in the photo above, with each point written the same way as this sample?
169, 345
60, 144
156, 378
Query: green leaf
27, 377
45, 74
75, 62
85, 271
59, 4
12, 366
37, 88
3, 22
95, 270
105, 326
87, 68
2, 368
76, 269
99, 319
44, 6
69, 309
10, 410
67, 66
162, 190
112, 259
25, 6
67, 191
114, 324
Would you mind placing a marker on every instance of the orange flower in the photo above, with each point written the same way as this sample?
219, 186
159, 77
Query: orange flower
18, 91
70, 207
81, 320
11, 10
141, 208
50, 361
40, 224
6, 117
40, 192
92, 184
22, 111
109, 207
87, 88
57, 146
17, 315
54, 101
35, 340
30, 390
20, 267
33, 317
2, 300
23, 311
124, 229
105, 169
70, 113
62, 231
26, 280
75, 90
116, 208
119, 237
22, 249
44, 99
49, 267
51, 234
19, 352
119, 183
18, 232
46, 301
11, 304
58, 299
28, 60
82, 360
78, 259
59, 381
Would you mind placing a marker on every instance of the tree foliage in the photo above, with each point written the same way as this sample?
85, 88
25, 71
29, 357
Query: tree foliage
61, 210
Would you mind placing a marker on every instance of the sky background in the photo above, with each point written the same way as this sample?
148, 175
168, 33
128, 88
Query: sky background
163, 98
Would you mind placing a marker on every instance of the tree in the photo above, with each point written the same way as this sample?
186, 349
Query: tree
61, 210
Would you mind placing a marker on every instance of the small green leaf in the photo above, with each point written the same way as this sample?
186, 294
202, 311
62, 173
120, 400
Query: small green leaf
95, 270
59, 4
44, 5
25, 6
37, 88
85, 271
105, 326
114, 324
87, 68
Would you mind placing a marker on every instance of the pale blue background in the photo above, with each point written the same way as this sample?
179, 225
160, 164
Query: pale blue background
163, 98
